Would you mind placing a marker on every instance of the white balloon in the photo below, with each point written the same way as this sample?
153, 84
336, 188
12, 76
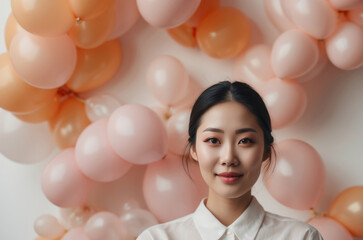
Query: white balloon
101, 106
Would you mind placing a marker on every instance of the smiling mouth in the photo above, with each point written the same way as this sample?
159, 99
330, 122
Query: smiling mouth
229, 177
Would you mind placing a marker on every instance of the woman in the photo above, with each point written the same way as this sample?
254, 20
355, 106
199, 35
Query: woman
230, 138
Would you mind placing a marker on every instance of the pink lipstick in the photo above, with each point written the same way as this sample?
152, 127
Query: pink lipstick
229, 177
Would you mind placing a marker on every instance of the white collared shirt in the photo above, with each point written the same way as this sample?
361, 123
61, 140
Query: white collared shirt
254, 223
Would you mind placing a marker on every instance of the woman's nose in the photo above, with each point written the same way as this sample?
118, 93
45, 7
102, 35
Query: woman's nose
228, 157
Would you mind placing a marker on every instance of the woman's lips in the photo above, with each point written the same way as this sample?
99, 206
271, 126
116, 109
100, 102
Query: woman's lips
229, 177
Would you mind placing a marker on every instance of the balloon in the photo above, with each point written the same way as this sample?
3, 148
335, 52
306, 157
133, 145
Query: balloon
101, 106
344, 47
16, 95
355, 15
167, 79
127, 15
285, 101
76, 217
205, 7
103, 226
277, 16
43, 62
69, 123
11, 29
166, 182
184, 35
137, 134
48, 226
62, 181
31, 15
293, 54
44, 113
190, 95
96, 66
300, 170
347, 209
223, 33
23, 142
95, 157
345, 4
137, 220
88, 9
316, 17
177, 127
330, 229
75, 234
93, 32
165, 13
253, 66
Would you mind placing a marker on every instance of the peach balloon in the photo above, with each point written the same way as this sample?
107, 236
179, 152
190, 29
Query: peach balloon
103, 226
184, 35
77, 217
293, 54
190, 95
62, 181
137, 220
31, 15
167, 79
11, 29
95, 157
48, 226
165, 13
285, 101
101, 106
96, 66
205, 7
345, 48
43, 62
127, 15
16, 95
69, 123
356, 16
316, 17
223, 33
330, 229
93, 32
277, 15
88, 9
298, 179
253, 66
75, 234
345, 4
347, 209
177, 127
166, 182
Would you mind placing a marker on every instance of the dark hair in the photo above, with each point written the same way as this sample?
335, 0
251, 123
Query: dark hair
227, 92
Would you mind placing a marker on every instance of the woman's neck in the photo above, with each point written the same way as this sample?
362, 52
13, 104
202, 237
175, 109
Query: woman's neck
227, 210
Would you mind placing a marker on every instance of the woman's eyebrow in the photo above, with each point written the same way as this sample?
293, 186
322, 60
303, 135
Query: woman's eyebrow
238, 131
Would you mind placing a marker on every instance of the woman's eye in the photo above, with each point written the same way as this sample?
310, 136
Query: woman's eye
245, 141
212, 140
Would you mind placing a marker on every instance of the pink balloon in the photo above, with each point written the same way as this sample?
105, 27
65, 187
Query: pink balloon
137, 134
315, 17
253, 66
127, 15
298, 179
47, 226
330, 229
75, 234
167, 79
277, 16
62, 181
137, 220
169, 192
177, 127
285, 101
43, 62
345, 48
76, 217
103, 226
101, 106
356, 15
293, 54
166, 13
345, 4
189, 95
95, 156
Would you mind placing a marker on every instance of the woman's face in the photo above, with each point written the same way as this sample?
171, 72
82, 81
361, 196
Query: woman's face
230, 149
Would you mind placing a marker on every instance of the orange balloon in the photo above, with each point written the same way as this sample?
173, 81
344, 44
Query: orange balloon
43, 17
17, 96
347, 208
43, 113
95, 66
184, 35
223, 33
92, 33
11, 29
205, 7
88, 9
69, 123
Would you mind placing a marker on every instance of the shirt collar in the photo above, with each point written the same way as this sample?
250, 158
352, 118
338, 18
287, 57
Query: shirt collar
244, 227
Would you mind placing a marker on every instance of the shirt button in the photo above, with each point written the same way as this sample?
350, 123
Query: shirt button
229, 232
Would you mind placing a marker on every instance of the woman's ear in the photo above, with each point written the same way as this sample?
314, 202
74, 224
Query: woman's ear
193, 153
